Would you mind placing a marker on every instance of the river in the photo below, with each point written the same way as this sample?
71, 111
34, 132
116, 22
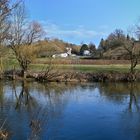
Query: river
68, 111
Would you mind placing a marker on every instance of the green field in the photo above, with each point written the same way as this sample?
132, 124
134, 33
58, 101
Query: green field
9, 64
86, 68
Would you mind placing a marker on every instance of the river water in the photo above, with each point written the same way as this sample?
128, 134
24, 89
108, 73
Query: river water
60, 111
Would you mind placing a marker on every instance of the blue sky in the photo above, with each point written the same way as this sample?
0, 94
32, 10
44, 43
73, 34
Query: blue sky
84, 21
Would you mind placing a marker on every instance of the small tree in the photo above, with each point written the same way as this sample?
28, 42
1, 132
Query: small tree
102, 45
137, 30
22, 35
92, 48
133, 51
132, 46
25, 55
116, 39
83, 48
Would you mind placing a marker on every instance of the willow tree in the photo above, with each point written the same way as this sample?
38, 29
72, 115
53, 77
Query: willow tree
22, 36
6, 7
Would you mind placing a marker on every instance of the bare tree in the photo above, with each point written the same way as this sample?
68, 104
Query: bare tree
22, 35
115, 39
133, 51
132, 46
34, 32
6, 7
5, 12
137, 29
4, 21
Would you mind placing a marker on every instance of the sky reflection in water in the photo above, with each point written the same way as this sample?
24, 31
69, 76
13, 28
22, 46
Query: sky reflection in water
59, 111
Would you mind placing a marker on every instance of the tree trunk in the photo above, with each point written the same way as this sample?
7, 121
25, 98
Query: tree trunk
24, 73
132, 68
1, 68
14, 73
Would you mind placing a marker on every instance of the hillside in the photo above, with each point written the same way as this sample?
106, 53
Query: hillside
119, 52
55, 46
115, 53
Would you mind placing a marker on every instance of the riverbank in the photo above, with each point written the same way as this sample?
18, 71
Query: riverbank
74, 76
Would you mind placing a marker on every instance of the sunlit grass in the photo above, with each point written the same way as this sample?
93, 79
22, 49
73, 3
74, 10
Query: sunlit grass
12, 63
85, 68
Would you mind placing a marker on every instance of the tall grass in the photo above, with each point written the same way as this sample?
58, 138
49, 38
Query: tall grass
68, 61
71, 65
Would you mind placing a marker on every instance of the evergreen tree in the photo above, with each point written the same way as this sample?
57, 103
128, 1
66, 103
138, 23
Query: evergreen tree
102, 45
83, 48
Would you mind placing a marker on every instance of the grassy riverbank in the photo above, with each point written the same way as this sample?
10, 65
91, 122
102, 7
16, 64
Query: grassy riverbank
94, 66
84, 68
98, 71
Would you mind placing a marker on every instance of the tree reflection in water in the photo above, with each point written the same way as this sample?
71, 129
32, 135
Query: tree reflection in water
133, 98
4, 133
120, 92
130, 117
24, 98
41, 107
1, 94
126, 95
37, 122
39, 114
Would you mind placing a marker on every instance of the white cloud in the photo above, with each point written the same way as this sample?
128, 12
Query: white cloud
80, 33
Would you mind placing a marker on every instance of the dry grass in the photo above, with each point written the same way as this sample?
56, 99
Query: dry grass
81, 61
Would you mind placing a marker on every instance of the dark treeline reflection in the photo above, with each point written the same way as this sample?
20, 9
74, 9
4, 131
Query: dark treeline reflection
122, 92
127, 94
32, 109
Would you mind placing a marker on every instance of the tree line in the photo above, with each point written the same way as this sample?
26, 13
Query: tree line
130, 43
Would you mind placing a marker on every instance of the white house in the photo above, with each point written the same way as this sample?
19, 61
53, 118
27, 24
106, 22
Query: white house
86, 53
64, 55
69, 51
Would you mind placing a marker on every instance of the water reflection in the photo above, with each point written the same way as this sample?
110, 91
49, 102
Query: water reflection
34, 102
119, 92
61, 111
24, 98
133, 98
